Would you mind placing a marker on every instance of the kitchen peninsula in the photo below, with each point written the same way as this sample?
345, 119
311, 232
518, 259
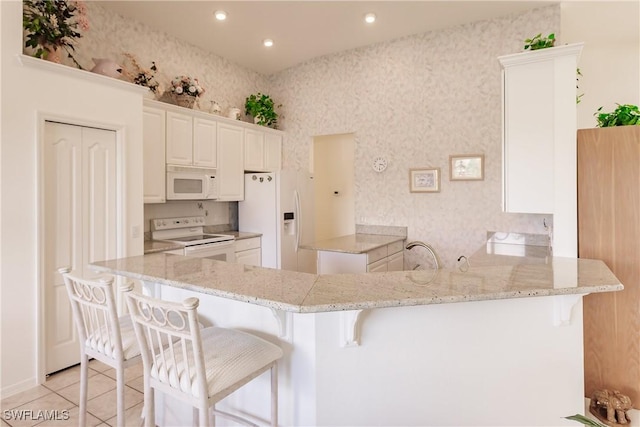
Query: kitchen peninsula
392, 348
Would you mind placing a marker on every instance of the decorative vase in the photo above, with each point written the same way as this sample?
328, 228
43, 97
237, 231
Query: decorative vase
234, 113
256, 120
53, 54
183, 100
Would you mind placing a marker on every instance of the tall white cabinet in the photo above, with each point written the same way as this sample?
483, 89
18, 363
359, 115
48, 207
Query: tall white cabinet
539, 138
154, 155
79, 223
231, 159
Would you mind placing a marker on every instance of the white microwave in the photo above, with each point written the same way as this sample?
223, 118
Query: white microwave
190, 183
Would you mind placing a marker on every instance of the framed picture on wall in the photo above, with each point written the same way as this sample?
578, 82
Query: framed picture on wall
424, 180
466, 167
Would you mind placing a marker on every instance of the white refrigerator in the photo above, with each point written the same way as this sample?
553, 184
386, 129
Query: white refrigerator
280, 205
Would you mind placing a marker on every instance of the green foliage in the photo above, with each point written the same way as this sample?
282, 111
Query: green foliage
263, 108
623, 115
53, 23
539, 42
578, 75
585, 421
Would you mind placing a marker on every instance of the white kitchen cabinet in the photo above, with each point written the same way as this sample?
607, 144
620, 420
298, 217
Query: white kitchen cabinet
395, 262
384, 258
230, 171
191, 141
272, 152
248, 251
539, 128
154, 167
263, 151
205, 147
179, 139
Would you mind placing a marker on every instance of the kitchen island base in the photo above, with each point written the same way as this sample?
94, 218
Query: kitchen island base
498, 362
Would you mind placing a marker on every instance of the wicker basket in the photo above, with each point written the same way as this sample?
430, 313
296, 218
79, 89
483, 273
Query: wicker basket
182, 100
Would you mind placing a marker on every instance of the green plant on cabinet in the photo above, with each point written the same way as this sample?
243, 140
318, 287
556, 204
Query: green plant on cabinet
262, 108
623, 115
539, 42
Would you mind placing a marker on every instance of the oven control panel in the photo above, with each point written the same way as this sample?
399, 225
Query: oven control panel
173, 223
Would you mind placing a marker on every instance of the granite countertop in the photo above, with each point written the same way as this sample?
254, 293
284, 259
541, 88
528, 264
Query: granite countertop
310, 293
358, 243
153, 246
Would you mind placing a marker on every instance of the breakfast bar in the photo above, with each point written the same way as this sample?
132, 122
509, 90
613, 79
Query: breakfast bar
496, 343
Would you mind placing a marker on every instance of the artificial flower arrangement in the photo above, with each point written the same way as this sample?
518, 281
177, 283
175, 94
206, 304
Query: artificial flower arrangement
143, 76
54, 24
184, 85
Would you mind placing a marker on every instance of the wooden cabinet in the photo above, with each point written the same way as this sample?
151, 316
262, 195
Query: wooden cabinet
248, 251
153, 136
609, 229
230, 171
384, 258
263, 151
539, 125
191, 141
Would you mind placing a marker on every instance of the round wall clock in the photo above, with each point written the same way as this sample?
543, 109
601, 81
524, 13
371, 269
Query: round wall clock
379, 164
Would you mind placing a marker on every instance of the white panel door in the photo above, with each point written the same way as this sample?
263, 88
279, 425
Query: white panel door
79, 223
98, 196
204, 143
179, 139
154, 166
253, 150
230, 162
272, 152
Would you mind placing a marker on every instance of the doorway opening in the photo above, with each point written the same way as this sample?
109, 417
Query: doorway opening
333, 168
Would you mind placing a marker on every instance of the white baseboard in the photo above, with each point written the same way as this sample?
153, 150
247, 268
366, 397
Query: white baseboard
18, 388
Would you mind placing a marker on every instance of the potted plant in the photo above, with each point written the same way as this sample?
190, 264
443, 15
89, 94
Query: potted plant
623, 115
52, 25
262, 108
142, 76
185, 91
539, 42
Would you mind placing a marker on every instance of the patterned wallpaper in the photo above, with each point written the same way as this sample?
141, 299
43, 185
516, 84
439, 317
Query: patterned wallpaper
111, 35
415, 100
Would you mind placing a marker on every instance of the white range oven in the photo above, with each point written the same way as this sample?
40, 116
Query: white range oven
189, 232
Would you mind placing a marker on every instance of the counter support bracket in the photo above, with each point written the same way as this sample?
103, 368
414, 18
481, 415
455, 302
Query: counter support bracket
562, 308
350, 328
284, 323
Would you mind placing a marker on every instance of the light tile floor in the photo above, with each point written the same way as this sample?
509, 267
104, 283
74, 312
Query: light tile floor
61, 392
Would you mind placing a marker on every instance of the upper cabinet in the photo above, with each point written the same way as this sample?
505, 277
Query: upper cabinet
262, 151
230, 171
154, 155
191, 141
539, 128
183, 137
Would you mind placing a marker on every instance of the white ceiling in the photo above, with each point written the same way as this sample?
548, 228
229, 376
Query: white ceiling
303, 29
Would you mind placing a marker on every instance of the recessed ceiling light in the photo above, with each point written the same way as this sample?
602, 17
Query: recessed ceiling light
267, 42
221, 15
370, 18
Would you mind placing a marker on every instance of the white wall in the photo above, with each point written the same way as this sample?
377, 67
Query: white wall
27, 94
610, 60
334, 159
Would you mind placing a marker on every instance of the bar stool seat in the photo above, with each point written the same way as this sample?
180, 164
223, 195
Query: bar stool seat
197, 366
103, 335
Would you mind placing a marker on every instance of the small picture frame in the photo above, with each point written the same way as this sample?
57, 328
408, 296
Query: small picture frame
466, 167
424, 180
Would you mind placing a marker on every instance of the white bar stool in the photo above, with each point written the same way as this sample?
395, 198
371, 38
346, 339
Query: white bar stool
103, 335
197, 366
